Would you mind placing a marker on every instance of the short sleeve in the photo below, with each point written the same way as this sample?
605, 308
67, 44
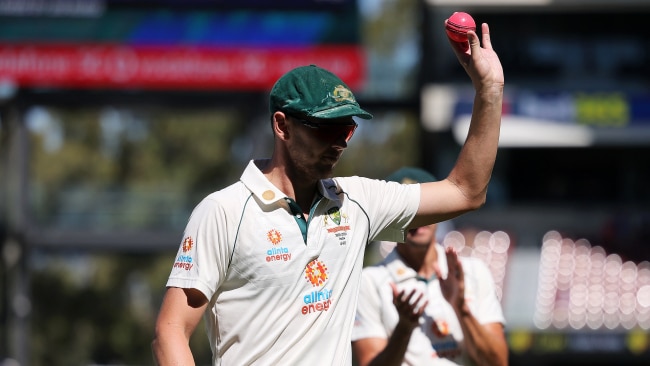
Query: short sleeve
201, 261
390, 206
486, 306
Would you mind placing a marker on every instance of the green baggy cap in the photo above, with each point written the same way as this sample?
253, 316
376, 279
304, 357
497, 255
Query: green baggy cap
312, 91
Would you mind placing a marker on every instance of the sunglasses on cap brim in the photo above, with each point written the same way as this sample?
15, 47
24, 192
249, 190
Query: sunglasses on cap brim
330, 130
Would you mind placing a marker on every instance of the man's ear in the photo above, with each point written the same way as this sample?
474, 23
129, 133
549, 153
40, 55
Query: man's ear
280, 123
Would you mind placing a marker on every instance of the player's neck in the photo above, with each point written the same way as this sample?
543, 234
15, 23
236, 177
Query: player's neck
296, 185
421, 261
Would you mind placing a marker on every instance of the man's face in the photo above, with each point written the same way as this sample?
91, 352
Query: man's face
317, 145
422, 236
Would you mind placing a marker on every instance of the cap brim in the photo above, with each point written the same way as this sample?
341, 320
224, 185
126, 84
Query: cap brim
346, 110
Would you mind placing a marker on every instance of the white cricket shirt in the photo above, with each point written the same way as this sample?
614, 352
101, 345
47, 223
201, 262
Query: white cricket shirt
439, 338
276, 299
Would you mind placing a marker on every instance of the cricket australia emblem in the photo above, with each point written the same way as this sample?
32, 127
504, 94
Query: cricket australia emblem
339, 223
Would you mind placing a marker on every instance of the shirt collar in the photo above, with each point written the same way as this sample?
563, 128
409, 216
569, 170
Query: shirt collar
266, 192
400, 272
397, 269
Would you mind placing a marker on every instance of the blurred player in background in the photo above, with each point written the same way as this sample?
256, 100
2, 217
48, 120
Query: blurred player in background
423, 305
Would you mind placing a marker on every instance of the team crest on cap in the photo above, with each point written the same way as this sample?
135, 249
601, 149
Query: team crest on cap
341, 94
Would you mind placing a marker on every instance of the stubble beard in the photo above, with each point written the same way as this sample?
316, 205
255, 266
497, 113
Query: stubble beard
419, 238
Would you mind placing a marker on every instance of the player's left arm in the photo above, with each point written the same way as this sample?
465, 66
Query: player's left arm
485, 343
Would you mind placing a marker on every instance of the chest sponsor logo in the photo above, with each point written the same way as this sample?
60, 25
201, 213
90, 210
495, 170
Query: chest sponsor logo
276, 253
446, 349
440, 328
443, 343
337, 223
184, 261
274, 236
316, 273
317, 301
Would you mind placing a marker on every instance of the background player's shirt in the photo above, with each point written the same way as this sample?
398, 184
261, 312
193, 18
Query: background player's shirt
439, 338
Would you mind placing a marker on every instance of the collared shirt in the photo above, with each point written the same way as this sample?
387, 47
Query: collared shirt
439, 338
276, 298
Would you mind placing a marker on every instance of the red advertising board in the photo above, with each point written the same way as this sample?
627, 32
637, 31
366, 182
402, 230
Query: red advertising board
168, 67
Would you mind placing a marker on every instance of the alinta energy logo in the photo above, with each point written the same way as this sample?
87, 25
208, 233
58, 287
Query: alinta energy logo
445, 345
316, 301
184, 261
440, 328
188, 243
276, 253
274, 236
340, 221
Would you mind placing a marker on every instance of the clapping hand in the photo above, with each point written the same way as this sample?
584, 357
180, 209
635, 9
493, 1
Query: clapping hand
453, 287
409, 307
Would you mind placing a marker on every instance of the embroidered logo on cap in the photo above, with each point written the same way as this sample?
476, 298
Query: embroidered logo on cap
343, 94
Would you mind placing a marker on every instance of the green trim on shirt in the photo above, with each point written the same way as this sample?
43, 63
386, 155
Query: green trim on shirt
296, 211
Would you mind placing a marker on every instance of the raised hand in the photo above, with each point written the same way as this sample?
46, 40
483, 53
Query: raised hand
409, 307
481, 63
453, 287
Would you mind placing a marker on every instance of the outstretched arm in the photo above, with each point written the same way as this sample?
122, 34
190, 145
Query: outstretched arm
465, 188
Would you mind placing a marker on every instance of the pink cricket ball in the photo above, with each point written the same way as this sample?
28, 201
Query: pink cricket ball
457, 26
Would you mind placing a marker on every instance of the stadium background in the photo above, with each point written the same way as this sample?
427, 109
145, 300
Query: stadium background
117, 116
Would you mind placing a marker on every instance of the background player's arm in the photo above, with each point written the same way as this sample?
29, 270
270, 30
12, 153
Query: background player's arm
484, 343
382, 351
180, 313
387, 352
